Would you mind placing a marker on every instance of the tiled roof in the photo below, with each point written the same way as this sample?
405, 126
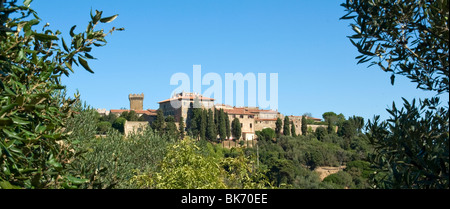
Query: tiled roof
145, 112
263, 111
201, 98
238, 111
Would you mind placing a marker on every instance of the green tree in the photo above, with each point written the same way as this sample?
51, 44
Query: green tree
347, 130
109, 118
119, 124
170, 127
331, 120
181, 129
293, 129
185, 167
194, 118
32, 112
211, 134
203, 123
342, 179
216, 119
286, 129
130, 116
408, 38
102, 127
330, 116
278, 126
227, 126
304, 125
266, 134
159, 124
321, 132
236, 129
357, 122
222, 125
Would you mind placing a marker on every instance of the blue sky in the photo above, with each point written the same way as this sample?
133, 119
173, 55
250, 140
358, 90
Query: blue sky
303, 41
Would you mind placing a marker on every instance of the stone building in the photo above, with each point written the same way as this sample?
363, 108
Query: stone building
297, 121
179, 105
247, 120
252, 119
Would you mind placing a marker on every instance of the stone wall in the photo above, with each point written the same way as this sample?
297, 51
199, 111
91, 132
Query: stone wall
134, 127
262, 124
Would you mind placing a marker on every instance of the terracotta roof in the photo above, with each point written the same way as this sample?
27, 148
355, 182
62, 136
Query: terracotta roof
264, 111
145, 112
118, 111
315, 118
238, 111
201, 98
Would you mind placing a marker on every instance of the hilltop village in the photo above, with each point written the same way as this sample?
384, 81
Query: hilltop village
252, 119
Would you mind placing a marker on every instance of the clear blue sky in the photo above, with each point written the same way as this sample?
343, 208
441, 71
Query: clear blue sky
303, 41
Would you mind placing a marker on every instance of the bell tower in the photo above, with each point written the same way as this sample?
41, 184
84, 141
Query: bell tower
136, 101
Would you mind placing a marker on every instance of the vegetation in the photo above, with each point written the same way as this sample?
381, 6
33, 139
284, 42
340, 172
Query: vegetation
408, 38
278, 126
186, 167
293, 129
286, 129
236, 129
34, 149
304, 125
48, 140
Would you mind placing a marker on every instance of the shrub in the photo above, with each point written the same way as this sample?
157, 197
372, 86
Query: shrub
341, 178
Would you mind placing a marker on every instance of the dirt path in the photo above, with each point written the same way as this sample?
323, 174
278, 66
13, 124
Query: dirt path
326, 171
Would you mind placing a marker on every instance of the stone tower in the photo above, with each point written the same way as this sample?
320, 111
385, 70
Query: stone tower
136, 101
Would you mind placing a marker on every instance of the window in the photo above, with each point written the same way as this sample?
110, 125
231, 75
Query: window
251, 126
241, 116
242, 125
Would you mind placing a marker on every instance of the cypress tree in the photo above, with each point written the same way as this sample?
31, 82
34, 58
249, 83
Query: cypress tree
216, 119
304, 125
227, 126
286, 129
203, 123
293, 129
236, 129
278, 126
181, 128
211, 127
330, 128
159, 124
194, 119
222, 125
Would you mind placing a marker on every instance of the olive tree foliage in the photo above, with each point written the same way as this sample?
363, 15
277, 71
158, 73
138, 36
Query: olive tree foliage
185, 167
33, 147
409, 38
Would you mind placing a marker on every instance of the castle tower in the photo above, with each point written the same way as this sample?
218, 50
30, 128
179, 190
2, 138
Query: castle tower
136, 101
